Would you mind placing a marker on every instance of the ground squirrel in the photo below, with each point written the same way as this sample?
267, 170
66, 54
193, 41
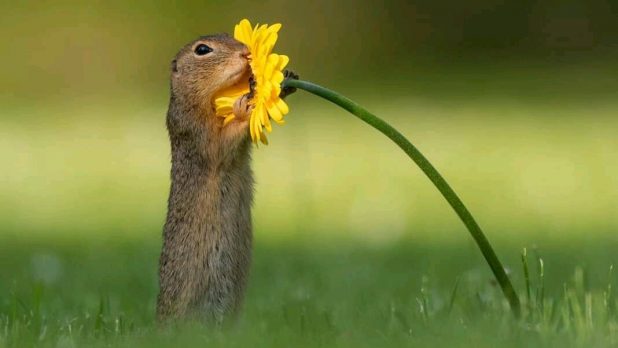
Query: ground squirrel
207, 236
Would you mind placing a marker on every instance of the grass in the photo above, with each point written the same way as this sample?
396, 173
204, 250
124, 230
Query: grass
353, 245
97, 293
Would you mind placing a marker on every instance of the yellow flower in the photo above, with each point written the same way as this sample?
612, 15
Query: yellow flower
267, 69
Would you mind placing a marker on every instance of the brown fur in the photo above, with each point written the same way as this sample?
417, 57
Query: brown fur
207, 235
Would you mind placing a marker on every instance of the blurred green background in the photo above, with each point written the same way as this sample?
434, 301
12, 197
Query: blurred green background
515, 102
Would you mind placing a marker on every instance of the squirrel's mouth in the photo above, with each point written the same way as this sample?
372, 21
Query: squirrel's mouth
236, 81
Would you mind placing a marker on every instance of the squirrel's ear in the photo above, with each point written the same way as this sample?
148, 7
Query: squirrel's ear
174, 66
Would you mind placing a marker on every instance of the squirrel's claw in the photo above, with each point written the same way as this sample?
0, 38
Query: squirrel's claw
288, 74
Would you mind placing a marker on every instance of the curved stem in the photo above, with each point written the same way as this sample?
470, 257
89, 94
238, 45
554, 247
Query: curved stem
431, 172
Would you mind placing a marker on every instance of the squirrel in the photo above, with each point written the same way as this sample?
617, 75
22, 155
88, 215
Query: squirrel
207, 237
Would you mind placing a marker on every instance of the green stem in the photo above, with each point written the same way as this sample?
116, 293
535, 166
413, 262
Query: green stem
431, 172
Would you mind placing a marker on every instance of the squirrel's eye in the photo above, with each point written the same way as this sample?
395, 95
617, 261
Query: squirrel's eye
202, 49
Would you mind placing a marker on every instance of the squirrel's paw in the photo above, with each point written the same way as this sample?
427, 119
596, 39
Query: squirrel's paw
237, 128
243, 107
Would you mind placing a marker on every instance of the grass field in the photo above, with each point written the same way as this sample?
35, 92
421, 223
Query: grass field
354, 247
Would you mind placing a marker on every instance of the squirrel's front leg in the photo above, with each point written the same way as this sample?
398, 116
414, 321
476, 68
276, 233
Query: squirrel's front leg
237, 131
243, 108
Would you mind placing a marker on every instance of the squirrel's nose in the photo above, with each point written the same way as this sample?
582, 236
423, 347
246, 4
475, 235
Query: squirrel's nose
246, 54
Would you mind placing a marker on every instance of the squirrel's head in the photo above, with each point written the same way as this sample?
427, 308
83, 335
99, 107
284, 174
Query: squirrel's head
201, 70
206, 66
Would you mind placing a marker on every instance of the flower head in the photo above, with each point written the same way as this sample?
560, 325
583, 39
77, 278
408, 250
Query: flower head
267, 69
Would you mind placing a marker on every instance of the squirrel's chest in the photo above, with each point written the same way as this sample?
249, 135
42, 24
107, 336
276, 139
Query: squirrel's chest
225, 199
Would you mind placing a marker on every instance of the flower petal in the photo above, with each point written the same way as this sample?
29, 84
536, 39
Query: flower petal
283, 61
282, 106
274, 111
263, 139
275, 27
228, 119
242, 32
